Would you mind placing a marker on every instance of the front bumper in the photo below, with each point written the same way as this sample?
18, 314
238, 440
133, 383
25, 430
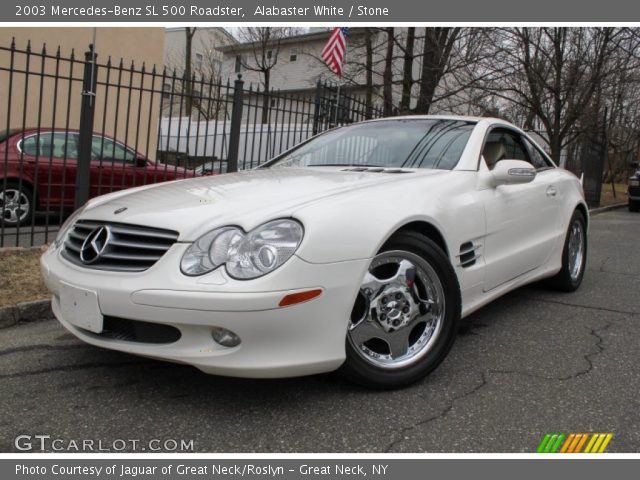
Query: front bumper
301, 339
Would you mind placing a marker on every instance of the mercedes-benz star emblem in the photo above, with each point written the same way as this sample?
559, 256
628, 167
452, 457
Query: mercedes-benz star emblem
95, 244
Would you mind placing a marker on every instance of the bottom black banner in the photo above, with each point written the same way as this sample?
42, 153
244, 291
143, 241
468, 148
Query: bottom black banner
316, 468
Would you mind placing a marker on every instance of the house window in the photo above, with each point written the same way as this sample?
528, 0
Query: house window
273, 102
269, 54
166, 90
293, 55
198, 61
238, 63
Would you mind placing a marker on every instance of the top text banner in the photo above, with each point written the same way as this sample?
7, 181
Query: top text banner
329, 12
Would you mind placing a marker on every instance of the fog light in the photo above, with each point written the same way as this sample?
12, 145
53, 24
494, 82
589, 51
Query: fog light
225, 337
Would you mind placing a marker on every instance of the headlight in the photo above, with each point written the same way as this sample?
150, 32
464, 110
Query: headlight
66, 226
245, 255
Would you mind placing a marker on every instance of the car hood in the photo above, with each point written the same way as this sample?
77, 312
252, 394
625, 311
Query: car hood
247, 199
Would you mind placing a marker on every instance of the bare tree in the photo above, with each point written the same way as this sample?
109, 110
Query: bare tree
387, 59
387, 76
188, 77
551, 74
368, 92
197, 83
265, 45
407, 69
436, 50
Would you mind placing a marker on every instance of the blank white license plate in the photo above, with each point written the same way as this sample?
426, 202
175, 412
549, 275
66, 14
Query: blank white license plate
80, 307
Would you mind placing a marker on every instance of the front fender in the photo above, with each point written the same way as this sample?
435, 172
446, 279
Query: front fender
355, 226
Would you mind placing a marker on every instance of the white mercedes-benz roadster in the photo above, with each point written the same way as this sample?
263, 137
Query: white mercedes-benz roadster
359, 250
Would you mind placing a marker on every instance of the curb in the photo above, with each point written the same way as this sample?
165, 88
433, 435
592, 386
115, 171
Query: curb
596, 211
38, 310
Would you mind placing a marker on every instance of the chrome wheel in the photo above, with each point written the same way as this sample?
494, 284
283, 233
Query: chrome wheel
399, 311
576, 249
15, 205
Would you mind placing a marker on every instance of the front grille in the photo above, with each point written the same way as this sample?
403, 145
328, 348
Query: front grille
634, 191
115, 328
130, 248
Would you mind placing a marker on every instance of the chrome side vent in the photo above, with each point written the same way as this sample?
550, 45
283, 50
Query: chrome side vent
468, 254
116, 246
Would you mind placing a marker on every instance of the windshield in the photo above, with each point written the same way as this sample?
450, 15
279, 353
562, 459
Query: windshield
406, 143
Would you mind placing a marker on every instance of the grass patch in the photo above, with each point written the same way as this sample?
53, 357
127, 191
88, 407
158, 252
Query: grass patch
20, 279
607, 198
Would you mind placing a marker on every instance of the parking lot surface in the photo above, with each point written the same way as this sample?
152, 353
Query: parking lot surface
532, 362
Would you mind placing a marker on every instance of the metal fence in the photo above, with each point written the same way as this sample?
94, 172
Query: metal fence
72, 129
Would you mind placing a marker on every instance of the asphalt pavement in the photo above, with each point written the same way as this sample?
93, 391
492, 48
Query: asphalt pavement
533, 362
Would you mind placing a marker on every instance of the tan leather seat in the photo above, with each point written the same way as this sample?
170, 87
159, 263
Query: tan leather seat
494, 152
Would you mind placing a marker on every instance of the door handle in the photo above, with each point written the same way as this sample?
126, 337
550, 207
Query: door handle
552, 191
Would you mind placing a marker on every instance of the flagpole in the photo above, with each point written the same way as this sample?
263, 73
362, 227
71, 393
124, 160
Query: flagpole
335, 120
333, 54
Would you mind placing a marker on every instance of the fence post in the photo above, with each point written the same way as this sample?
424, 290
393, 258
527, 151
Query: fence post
316, 112
236, 122
87, 108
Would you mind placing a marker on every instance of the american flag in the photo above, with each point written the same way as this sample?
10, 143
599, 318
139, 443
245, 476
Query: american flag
333, 51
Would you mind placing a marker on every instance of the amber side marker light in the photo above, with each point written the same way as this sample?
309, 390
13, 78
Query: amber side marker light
299, 297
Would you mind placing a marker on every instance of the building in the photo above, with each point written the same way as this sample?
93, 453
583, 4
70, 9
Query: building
206, 57
194, 98
296, 61
62, 93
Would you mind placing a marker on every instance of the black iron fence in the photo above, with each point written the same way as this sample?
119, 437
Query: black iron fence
75, 128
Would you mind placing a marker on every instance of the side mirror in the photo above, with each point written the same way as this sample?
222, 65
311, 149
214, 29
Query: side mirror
511, 172
141, 162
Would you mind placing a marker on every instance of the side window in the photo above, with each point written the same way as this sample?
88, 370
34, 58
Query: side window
538, 160
29, 146
48, 145
503, 144
103, 148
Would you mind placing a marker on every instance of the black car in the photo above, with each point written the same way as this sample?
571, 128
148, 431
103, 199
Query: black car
634, 189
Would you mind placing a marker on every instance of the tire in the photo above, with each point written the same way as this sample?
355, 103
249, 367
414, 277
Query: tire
568, 279
634, 205
21, 215
436, 314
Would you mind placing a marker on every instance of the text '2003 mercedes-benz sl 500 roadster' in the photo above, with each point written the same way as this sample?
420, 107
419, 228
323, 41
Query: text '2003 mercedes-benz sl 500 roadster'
358, 250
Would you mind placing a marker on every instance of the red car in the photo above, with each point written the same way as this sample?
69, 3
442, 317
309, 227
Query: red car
40, 171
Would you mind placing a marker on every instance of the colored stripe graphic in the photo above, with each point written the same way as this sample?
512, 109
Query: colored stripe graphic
581, 443
574, 443
543, 443
551, 442
557, 444
567, 443
606, 441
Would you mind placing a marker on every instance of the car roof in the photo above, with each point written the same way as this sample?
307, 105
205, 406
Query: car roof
4, 134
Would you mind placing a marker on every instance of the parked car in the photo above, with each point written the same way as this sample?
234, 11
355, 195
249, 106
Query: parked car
39, 171
633, 190
212, 167
360, 250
